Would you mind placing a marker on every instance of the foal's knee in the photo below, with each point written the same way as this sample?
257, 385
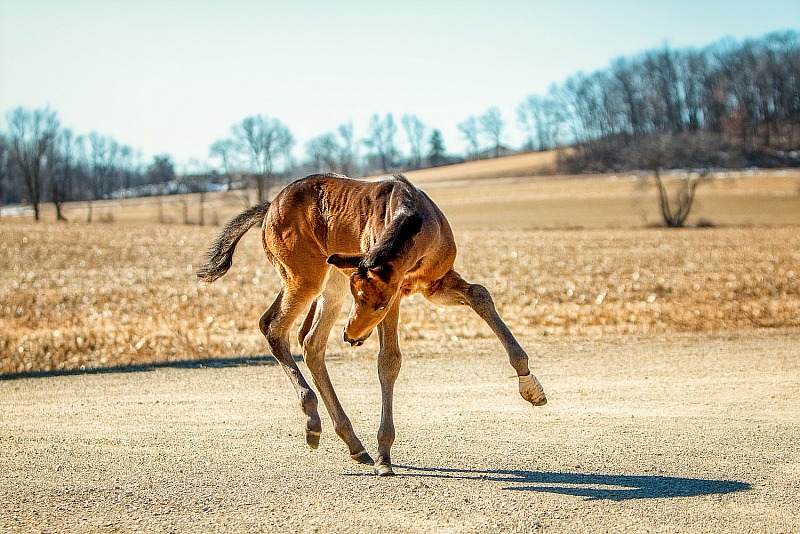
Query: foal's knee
305, 328
479, 297
313, 345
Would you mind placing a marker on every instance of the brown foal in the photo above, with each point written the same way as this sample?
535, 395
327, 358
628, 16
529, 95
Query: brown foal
383, 241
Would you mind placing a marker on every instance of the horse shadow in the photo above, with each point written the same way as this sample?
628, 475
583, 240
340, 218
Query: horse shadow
197, 363
589, 486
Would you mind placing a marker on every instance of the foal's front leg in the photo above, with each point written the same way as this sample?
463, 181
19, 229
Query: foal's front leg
389, 359
313, 338
453, 290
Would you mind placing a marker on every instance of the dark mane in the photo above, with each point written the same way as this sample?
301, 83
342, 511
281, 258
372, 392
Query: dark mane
398, 235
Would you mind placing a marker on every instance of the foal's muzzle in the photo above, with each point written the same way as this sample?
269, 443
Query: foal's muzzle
354, 342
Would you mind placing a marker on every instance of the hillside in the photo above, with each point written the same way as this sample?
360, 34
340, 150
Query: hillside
516, 192
518, 165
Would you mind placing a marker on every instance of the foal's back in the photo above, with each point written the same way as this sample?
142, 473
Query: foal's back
325, 214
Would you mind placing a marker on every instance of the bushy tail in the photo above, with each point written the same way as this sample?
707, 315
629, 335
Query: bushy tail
220, 255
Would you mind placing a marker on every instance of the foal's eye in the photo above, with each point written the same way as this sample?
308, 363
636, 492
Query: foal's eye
381, 307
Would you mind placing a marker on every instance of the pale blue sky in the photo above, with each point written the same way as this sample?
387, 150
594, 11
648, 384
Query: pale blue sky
173, 75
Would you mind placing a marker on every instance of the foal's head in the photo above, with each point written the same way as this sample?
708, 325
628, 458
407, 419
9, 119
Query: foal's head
374, 290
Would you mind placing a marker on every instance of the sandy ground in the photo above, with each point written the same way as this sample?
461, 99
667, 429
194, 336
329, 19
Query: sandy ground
690, 433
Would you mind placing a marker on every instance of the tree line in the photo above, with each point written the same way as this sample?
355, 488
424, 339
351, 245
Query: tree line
729, 104
42, 161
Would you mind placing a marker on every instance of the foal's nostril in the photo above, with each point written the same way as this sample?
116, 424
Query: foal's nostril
353, 342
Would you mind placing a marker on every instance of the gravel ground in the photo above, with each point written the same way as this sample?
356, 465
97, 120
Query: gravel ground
689, 433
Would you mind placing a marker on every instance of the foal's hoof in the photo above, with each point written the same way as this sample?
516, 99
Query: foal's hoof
531, 390
312, 438
384, 470
363, 457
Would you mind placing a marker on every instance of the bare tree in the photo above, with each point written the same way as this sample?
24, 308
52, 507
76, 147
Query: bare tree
232, 163
105, 156
492, 125
83, 169
540, 117
348, 151
782, 98
528, 117
675, 213
654, 152
415, 131
264, 142
285, 141
693, 71
324, 152
332, 152
381, 139
627, 81
193, 184
663, 69
32, 134
62, 170
225, 150
4, 165
469, 130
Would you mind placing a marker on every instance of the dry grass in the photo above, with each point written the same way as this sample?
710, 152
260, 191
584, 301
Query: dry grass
624, 201
504, 194
75, 295
561, 255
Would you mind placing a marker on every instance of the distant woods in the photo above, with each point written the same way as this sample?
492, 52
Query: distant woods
728, 105
40, 161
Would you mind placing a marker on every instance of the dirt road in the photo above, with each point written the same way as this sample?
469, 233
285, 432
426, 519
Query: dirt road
695, 433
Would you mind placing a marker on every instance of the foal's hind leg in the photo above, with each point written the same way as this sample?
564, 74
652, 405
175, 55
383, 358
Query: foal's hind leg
453, 291
313, 336
305, 328
275, 325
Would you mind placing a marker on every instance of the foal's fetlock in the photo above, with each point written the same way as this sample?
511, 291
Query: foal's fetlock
531, 390
363, 457
308, 403
356, 448
383, 468
313, 430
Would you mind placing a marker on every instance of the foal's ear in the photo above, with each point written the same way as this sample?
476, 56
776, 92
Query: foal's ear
346, 261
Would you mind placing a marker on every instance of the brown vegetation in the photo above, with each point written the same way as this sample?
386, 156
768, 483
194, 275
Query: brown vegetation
103, 295
579, 257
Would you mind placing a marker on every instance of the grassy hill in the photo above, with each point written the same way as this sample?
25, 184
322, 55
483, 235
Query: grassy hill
519, 192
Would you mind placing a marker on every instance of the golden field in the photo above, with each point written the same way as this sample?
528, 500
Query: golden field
562, 256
